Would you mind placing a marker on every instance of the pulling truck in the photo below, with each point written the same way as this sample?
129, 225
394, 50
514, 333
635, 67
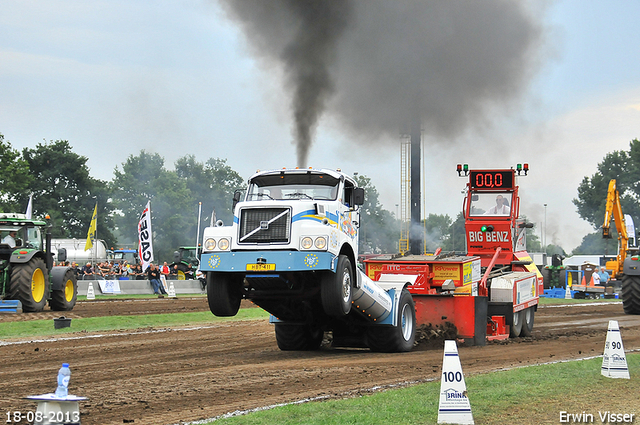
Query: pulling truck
27, 273
292, 250
492, 291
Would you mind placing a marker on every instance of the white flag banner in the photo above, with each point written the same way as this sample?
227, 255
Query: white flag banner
145, 242
29, 211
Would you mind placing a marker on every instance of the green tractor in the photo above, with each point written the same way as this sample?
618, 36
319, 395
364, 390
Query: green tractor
27, 273
186, 260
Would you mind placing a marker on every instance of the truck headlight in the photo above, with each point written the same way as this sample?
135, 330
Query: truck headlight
306, 242
321, 243
223, 244
210, 244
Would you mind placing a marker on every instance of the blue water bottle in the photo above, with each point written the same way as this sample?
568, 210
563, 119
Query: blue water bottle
64, 374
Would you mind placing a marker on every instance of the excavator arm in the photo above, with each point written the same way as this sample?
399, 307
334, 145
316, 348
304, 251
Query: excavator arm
613, 211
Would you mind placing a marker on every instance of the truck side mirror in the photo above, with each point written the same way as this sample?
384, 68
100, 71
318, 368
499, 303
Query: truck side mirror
358, 196
236, 198
62, 254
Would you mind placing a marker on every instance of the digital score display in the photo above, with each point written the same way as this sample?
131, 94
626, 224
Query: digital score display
491, 179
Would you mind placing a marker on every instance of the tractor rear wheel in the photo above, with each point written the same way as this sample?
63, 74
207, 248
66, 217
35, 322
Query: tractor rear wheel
336, 289
183, 271
631, 294
396, 339
30, 284
223, 294
298, 337
527, 321
64, 299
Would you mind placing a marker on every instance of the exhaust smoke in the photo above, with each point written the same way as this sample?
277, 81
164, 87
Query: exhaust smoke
374, 66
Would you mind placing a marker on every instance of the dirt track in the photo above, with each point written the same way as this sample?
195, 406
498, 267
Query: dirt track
164, 376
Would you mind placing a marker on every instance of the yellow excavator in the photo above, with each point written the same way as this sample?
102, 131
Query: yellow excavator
626, 266
614, 211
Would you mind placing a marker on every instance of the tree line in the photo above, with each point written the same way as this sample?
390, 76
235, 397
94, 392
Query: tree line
62, 187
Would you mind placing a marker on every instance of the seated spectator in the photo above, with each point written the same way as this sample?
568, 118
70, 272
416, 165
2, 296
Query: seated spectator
87, 270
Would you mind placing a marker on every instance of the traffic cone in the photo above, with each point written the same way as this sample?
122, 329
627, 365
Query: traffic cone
454, 407
172, 290
614, 362
91, 295
584, 281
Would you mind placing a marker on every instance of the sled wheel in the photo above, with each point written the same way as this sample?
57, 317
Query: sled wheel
527, 321
516, 325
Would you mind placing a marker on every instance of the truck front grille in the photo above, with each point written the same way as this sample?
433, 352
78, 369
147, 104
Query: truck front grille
265, 225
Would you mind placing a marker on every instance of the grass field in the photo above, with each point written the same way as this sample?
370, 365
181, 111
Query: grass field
34, 328
529, 395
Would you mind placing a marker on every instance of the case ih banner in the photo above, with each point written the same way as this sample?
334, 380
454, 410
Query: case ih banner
145, 242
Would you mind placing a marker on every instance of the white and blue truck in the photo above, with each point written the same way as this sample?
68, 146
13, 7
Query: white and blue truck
292, 249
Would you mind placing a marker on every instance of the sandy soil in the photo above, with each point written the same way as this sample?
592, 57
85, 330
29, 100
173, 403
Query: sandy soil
164, 376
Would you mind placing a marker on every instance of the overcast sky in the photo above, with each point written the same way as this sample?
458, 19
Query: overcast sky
185, 77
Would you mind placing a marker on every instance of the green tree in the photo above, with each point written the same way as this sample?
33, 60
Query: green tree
14, 179
212, 183
144, 178
63, 189
379, 229
438, 231
592, 191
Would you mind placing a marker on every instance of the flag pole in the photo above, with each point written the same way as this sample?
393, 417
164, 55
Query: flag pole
198, 229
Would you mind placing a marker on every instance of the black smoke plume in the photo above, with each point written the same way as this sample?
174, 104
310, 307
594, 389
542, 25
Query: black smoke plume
374, 65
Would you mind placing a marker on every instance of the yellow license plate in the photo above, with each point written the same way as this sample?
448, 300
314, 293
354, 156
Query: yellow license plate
261, 267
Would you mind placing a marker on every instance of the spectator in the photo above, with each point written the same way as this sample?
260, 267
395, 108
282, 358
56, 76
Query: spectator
153, 274
164, 269
87, 270
604, 276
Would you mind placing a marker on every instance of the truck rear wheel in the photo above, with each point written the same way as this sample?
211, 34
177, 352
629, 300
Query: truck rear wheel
527, 321
631, 294
516, 324
223, 295
336, 289
64, 299
298, 337
396, 339
29, 284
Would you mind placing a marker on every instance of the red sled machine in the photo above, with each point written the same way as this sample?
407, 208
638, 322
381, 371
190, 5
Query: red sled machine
492, 291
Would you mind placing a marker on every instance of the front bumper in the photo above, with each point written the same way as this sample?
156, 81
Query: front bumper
267, 261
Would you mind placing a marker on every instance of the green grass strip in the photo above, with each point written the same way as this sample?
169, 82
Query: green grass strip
31, 328
530, 395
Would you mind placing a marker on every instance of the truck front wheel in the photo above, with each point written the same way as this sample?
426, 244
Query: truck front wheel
223, 294
336, 289
29, 284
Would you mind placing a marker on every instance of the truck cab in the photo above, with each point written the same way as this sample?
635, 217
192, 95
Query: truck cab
290, 229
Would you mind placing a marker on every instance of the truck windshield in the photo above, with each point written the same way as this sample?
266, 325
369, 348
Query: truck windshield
293, 186
490, 203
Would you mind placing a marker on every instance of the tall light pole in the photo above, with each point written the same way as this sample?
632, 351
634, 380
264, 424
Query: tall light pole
545, 228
